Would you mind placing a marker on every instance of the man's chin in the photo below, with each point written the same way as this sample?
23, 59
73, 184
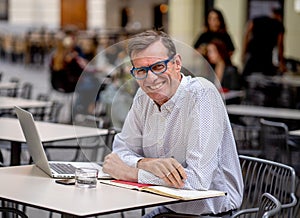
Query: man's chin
159, 99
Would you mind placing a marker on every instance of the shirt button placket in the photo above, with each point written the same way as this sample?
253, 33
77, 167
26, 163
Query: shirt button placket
160, 137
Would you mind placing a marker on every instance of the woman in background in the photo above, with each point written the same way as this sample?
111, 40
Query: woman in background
66, 66
226, 73
215, 28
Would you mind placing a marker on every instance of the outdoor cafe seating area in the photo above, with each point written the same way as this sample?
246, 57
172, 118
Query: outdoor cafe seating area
265, 120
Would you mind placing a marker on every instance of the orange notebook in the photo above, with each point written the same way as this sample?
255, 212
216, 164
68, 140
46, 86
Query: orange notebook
182, 194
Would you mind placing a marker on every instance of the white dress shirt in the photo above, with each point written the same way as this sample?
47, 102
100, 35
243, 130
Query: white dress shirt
194, 128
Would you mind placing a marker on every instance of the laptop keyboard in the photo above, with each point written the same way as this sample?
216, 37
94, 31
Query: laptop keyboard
63, 168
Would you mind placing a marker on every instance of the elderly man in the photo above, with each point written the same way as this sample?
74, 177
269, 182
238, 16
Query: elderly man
177, 132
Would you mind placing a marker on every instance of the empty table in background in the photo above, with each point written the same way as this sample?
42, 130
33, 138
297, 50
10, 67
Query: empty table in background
264, 112
7, 88
7, 103
49, 132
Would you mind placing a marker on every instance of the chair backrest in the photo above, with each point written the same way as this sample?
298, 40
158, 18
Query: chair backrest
262, 176
49, 113
26, 90
40, 113
42, 97
269, 206
12, 212
55, 111
274, 141
247, 139
254, 92
13, 92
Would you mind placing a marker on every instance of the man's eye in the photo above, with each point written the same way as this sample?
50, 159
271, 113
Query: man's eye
140, 71
158, 67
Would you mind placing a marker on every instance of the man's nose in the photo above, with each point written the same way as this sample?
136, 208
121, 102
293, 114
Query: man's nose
151, 75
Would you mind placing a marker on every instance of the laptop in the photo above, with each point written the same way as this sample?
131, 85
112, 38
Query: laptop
55, 169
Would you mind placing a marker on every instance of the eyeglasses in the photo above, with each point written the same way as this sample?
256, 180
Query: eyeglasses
157, 68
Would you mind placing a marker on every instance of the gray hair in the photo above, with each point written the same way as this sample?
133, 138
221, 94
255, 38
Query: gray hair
142, 40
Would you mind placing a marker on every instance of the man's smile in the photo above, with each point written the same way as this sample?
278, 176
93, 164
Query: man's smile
157, 86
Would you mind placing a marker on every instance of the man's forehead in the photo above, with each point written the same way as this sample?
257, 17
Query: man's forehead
155, 49
149, 57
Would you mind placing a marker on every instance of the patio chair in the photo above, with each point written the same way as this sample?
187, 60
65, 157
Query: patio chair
269, 207
247, 139
26, 90
260, 176
274, 139
12, 212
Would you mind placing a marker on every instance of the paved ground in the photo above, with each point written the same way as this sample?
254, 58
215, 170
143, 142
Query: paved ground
37, 75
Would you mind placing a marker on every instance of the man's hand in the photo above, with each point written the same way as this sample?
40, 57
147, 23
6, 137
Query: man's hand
116, 168
168, 169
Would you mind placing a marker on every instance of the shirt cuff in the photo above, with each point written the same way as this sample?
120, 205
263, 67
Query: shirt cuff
148, 178
132, 161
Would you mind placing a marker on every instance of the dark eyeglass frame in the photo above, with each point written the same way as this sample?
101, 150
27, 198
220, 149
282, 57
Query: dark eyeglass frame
165, 62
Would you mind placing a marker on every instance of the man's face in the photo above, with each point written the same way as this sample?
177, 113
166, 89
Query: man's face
160, 87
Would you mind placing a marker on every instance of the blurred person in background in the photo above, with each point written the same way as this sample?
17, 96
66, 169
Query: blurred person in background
264, 38
66, 66
215, 28
263, 35
226, 73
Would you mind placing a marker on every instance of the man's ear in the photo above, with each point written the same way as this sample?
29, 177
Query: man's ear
178, 62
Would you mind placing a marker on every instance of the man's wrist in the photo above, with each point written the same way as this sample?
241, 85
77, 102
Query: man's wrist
141, 163
131, 174
138, 162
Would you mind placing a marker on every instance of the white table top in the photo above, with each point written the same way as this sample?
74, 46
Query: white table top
260, 111
233, 94
29, 185
8, 85
49, 132
287, 79
295, 132
10, 102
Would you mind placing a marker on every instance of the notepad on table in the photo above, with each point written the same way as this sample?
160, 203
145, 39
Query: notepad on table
182, 194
